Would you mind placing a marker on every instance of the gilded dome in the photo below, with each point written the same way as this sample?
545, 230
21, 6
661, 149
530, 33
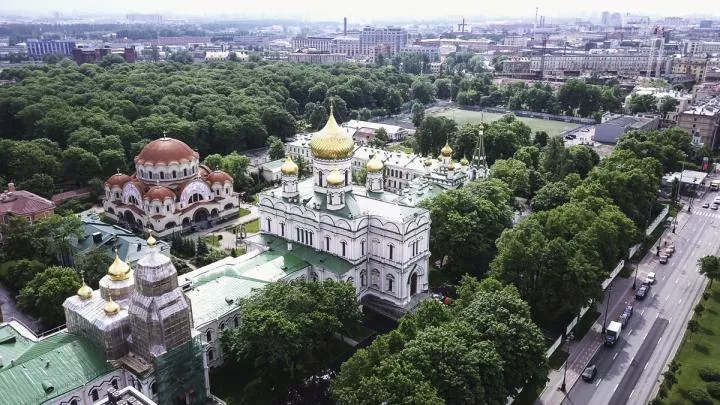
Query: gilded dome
374, 165
119, 270
151, 241
159, 193
289, 167
451, 166
446, 151
111, 307
335, 178
331, 142
85, 292
464, 161
117, 179
165, 151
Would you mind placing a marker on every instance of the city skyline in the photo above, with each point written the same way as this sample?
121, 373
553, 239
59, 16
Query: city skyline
321, 10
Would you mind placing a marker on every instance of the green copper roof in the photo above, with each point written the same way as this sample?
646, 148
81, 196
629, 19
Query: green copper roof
318, 259
36, 372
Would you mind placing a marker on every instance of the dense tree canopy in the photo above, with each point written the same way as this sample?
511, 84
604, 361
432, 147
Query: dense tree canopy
44, 294
670, 146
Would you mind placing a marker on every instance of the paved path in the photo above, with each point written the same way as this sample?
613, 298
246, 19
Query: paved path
10, 311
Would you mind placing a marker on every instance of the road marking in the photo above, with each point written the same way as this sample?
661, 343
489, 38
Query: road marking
658, 341
616, 385
643, 312
680, 302
677, 281
631, 392
598, 381
615, 356
646, 364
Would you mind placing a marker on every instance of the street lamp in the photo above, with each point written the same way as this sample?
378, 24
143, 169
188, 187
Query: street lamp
636, 270
568, 339
607, 306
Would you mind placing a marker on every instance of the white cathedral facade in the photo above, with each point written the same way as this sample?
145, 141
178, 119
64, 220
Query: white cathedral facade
385, 242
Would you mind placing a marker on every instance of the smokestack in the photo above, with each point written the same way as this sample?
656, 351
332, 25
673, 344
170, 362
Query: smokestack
344, 26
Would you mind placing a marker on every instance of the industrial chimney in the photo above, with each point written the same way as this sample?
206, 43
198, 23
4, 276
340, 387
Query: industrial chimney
344, 26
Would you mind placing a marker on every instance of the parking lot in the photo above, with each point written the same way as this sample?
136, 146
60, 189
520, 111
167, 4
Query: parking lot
581, 136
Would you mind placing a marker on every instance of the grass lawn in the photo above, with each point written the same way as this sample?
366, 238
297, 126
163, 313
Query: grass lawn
244, 212
400, 148
212, 240
553, 128
699, 349
253, 226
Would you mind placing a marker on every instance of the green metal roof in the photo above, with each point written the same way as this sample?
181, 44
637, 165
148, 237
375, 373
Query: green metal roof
62, 361
316, 258
274, 165
215, 298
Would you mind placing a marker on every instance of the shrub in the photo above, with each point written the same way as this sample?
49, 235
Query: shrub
663, 391
656, 401
699, 397
693, 325
699, 308
709, 374
674, 366
713, 389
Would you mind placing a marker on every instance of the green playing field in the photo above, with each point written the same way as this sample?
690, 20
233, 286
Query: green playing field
553, 128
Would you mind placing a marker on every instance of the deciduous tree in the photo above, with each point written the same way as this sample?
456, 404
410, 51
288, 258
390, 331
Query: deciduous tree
43, 296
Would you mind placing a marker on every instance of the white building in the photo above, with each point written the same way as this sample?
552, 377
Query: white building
394, 132
684, 99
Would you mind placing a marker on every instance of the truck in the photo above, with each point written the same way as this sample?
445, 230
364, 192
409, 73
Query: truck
612, 333
715, 185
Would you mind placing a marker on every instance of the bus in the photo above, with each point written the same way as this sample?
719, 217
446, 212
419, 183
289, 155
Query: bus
715, 185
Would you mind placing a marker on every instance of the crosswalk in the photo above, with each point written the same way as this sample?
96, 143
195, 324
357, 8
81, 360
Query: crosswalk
710, 214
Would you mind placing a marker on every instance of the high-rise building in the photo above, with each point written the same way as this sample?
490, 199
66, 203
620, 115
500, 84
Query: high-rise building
40, 47
395, 39
605, 18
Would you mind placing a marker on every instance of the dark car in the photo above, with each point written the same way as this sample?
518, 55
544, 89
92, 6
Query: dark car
642, 292
626, 315
589, 373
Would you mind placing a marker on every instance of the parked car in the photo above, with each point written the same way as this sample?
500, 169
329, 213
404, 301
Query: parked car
706, 205
671, 247
663, 259
668, 252
650, 278
589, 373
714, 206
642, 292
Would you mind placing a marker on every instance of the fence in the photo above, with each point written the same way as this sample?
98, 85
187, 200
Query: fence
530, 114
658, 220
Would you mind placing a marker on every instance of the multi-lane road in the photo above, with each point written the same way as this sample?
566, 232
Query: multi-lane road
628, 372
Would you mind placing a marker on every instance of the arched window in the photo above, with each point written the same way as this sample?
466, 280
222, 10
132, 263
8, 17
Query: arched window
153, 388
94, 394
114, 383
375, 278
174, 174
236, 322
222, 326
350, 280
391, 250
344, 245
73, 401
208, 336
211, 355
319, 178
268, 225
185, 171
363, 278
362, 248
389, 282
282, 229
162, 175
315, 276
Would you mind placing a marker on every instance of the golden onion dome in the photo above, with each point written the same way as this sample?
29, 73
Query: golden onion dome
374, 165
119, 270
446, 151
331, 142
85, 292
111, 307
151, 240
427, 162
289, 167
335, 178
464, 161
451, 166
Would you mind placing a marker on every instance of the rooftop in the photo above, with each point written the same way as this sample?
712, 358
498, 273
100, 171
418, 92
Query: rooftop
36, 371
21, 203
273, 166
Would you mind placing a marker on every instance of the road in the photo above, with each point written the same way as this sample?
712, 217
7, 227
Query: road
628, 372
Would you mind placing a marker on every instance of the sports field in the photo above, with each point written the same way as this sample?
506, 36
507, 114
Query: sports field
553, 128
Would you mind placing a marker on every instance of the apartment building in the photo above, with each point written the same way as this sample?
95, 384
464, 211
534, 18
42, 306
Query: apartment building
40, 47
317, 58
616, 63
393, 38
702, 122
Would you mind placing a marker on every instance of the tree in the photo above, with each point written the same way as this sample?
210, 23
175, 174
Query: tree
555, 159
514, 173
393, 101
54, 234
40, 184
466, 141
540, 139
287, 325
112, 161
111, 59
80, 165
380, 139
669, 146
19, 240
417, 114
443, 88
710, 267
43, 296
503, 137
433, 133
277, 148
640, 103
92, 265
577, 97
467, 222
581, 159
279, 122
423, 91
550, 196
17, 274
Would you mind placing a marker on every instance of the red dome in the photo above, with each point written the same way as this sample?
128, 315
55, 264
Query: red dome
159, 193
166, 151
117, 179
218, 176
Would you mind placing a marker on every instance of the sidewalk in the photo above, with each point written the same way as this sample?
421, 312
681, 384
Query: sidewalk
620, 294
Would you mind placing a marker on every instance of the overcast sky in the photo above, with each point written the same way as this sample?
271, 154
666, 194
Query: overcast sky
362, 10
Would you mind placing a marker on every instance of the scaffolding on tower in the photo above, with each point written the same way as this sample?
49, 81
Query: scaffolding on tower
180, 374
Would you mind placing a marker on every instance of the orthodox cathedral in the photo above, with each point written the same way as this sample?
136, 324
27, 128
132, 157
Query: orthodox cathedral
169, 191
